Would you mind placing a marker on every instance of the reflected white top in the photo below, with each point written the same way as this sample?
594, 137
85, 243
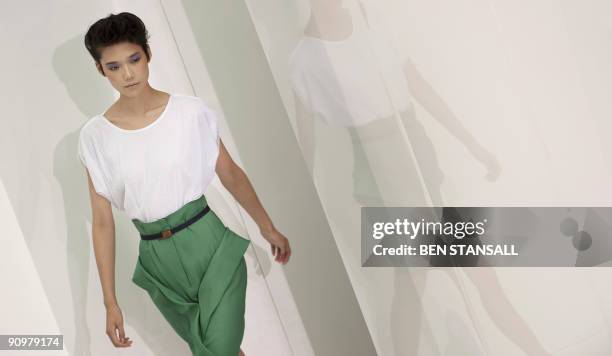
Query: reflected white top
350, 82
153, 171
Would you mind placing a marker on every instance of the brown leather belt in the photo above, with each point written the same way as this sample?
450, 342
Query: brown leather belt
169, 232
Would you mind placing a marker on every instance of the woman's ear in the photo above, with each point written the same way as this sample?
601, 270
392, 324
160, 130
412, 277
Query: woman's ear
150, 54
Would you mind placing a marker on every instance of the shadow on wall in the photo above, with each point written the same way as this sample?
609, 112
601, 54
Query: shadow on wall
251, 101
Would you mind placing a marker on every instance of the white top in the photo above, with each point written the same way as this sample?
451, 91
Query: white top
350, 82
153, 171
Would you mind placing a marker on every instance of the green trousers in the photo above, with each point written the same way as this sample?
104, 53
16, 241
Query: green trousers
196, 278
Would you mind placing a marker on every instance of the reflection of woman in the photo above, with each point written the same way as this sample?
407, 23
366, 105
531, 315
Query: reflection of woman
347, 75
356, 80
152, 154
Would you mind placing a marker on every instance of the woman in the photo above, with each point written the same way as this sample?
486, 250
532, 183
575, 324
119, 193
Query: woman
152, 155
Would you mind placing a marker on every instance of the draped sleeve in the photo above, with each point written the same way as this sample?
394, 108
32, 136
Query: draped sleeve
208, 127
90, 158
297, 77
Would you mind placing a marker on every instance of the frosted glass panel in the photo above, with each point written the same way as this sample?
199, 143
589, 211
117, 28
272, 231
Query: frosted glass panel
446, 103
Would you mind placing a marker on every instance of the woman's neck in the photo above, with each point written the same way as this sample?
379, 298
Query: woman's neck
332, 22
141, 104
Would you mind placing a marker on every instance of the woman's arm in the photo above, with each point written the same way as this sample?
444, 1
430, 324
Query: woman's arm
437, 107
103, 235
237, 183
439, 110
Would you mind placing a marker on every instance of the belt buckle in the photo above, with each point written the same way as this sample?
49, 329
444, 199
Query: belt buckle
165, 234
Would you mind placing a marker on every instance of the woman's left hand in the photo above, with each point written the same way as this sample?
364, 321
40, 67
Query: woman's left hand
490, 162
279, 245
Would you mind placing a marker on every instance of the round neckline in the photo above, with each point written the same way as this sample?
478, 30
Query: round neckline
159, 118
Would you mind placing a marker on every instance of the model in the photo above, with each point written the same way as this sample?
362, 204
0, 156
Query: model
152, 155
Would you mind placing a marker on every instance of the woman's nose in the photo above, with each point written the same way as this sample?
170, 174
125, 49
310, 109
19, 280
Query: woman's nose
128, 74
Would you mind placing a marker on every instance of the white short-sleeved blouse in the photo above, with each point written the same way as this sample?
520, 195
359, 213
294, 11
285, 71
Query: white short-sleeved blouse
153, 171
353, 81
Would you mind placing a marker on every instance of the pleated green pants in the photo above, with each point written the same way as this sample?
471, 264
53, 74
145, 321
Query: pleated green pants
197, 279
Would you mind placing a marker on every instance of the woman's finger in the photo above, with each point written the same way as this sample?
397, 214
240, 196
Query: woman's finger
121, 334
288, 255
113, 336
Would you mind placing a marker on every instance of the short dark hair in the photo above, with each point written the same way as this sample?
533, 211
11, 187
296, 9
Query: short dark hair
113, 29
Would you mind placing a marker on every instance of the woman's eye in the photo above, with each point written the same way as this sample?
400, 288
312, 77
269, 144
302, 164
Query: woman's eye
135, 59
113, 68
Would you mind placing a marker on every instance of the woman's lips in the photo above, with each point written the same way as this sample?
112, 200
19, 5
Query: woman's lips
131, 85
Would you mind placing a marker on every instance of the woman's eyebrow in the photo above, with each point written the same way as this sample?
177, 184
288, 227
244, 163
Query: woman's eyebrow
115, 62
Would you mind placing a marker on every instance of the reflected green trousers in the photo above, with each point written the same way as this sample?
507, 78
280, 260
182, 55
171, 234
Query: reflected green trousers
196, 278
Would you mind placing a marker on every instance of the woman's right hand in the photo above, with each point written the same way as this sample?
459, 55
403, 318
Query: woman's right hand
114, 327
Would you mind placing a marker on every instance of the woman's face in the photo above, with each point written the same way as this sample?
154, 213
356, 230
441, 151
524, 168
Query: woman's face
126, 67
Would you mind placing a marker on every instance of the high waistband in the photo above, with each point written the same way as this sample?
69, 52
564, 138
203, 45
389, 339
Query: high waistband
179, 216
